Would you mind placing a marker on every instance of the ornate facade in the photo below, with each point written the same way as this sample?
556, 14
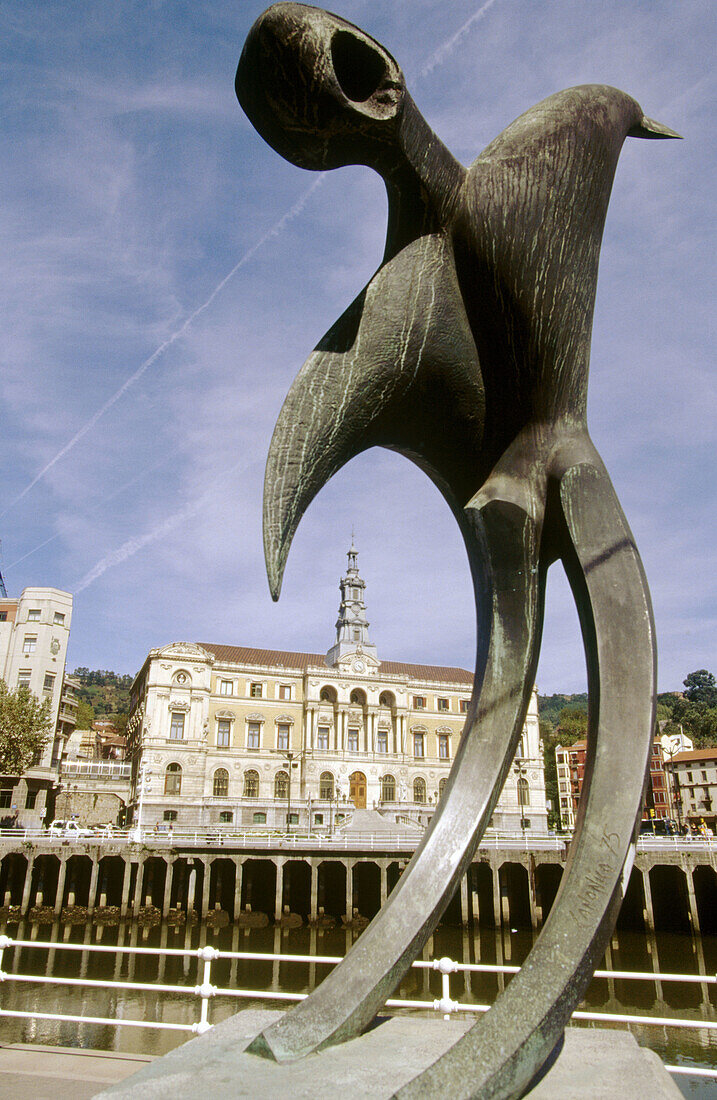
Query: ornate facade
235, 738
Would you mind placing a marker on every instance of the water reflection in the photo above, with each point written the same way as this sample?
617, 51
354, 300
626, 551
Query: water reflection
652, 953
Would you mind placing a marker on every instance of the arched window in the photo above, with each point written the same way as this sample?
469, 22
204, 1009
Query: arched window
327, 695
441, 786
221, 783
388, 788
251, 784
326, 786
173, 779
523, 792
387, 699
281, 785
358, 697
419, 789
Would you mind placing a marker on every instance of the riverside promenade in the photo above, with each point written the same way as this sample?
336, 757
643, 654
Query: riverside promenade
30, 1072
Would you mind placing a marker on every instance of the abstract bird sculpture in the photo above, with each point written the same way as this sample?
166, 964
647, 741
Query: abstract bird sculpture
468, 352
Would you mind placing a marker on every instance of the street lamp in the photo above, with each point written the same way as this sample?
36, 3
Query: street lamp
288, 760
142, 779
521, 773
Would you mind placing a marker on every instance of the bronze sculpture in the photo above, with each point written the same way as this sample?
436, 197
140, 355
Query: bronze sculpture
468, 352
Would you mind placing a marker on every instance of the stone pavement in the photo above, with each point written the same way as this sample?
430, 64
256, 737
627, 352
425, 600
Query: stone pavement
29, 1072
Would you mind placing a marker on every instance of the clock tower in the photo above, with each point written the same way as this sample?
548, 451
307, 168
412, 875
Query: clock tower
352, 625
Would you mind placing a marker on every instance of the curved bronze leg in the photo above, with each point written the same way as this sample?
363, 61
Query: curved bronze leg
499, 1056
505, 547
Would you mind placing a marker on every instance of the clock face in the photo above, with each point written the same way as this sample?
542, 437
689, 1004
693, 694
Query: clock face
359, 666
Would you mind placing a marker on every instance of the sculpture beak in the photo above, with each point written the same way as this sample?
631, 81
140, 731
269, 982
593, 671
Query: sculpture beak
648, 128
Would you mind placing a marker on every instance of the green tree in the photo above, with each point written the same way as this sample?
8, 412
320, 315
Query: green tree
572, 725
701, 687
85, 715
24, 729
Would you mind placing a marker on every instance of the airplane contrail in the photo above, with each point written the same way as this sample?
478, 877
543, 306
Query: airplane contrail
439, 56
275, 230
131, 546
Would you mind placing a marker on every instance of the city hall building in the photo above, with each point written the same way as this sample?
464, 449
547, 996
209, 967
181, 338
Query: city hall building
230, 737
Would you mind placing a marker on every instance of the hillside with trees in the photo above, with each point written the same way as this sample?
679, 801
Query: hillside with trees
102, 694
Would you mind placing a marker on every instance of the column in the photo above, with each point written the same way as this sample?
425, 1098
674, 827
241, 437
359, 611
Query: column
192, 888
475, 896
206, 884
28, 886
60, 887
314, 909
278, 898
239, 867
649, 912
125, 887
349, 864
138, 886
383, 868
93, 886
496, 895
464, 900
531, 893
692, 899
167, 899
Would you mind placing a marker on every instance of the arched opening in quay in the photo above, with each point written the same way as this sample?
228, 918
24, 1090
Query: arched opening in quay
180, 885
366, 888
221, 885
548, 877
704, 880
631, 917
258, 888
77, 881
670, 905
297, 888
452, 913
332, 888
109, 882
393, 874
45, 875
480, 878
514, 895
153, 879
13, 870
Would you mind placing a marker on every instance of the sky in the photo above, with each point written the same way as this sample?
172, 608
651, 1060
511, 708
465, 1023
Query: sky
165, 274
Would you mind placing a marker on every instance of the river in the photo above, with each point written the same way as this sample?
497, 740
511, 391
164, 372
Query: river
661, 952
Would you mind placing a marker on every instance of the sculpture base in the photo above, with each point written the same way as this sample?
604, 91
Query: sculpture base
593, 1065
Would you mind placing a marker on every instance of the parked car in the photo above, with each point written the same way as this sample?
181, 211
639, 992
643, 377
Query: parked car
69, 829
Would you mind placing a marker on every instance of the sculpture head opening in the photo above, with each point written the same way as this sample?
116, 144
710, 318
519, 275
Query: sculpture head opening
320, 91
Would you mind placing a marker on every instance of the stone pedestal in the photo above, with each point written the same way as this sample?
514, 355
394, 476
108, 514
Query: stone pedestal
593, 1065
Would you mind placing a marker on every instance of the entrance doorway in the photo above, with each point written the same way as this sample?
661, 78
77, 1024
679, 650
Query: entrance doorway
357, 790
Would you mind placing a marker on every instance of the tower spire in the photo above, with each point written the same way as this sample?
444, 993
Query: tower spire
352, 634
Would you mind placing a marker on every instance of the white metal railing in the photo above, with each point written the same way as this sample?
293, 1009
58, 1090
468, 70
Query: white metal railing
95, 769
226, 836
205, 991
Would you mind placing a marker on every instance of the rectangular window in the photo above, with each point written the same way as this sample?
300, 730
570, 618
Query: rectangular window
23, 679
419, 702
357, 635
322, 738
443, 746
224, 729
259, 818
256, 691
352, 741
6, 798
34, 614
382, 741
226, 817
443, 704
226, 687
465, 703
293, 819
169, 815
318, 819
419, 745
59, 619
282, 735
253, 735
29, 644
176, 729
31, 799
49, 685
3, 616
285, 692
